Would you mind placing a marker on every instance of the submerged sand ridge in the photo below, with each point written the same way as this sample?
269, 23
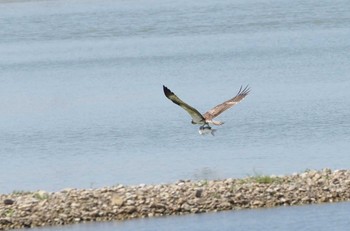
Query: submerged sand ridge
33, 209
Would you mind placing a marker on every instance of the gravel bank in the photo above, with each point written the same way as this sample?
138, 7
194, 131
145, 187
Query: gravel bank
32, 209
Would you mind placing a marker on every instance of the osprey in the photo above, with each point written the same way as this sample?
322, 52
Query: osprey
207, 118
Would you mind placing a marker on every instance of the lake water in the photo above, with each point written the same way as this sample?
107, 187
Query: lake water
81, 101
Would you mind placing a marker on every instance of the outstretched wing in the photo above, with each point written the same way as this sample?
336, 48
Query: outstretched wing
214, 112
196, 115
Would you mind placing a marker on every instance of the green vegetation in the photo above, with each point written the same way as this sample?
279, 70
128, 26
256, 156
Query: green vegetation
216, 195
9, 212
204, 182
262, 179
41, 196
20, 192
37, 195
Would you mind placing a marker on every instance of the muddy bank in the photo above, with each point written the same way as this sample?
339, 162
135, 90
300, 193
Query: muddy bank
32, 209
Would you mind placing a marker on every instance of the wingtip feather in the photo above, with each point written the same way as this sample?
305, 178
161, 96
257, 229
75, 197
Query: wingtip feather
167, 92
245, 90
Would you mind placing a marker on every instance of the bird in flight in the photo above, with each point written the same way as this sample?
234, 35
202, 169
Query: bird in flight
207, 118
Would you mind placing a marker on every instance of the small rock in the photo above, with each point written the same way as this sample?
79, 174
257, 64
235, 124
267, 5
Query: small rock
130, 209
199, 192
75, 205
63, 215
303, 175
225, 205
158, 206
284, 200
258, 203
117, 200
67, 190
130, 202
8, 202
186, 207
238, 195
316, 176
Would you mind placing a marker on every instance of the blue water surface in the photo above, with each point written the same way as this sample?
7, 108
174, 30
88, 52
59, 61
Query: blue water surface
81, 101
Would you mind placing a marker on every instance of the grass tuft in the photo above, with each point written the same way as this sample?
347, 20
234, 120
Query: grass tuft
20, 192
41, 196
264, 179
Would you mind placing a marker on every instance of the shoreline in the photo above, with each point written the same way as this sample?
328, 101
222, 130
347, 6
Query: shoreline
70, 206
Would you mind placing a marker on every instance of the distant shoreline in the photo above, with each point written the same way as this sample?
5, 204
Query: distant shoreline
35, 209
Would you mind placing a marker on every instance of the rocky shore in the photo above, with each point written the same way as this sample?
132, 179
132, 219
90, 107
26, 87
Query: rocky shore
33, 209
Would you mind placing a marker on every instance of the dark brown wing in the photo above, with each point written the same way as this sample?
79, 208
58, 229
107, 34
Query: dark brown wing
196, 115
214, 112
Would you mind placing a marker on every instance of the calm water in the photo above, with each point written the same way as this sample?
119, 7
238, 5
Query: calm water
81, 101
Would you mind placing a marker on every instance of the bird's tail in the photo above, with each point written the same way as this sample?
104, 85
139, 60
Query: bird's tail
217, 122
